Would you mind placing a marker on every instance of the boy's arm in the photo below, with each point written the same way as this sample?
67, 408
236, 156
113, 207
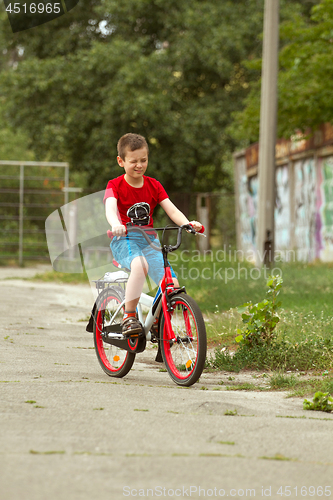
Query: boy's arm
177, 216
111, 213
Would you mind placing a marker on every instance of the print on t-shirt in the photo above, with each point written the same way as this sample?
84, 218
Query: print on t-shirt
139, 214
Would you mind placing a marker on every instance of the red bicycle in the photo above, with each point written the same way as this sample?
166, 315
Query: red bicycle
181, 332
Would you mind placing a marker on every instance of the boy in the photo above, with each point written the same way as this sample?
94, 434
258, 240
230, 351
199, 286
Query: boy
131, 199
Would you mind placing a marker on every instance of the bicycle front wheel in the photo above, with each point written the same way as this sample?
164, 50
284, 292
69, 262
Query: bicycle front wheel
116, 362
184, 357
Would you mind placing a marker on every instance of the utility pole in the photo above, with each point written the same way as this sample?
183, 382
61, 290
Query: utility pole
267, 136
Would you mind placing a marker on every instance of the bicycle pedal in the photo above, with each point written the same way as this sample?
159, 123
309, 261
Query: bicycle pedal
134, 335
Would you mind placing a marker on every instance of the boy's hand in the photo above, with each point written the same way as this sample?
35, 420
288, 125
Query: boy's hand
119, 230
196, 225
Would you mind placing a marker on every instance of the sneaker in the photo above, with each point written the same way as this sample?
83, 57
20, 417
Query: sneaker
131, 327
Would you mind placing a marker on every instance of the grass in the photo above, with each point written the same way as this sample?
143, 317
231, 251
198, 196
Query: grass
50, 452
56, 277
231, 412
282, 382
219, 284
278, 456
303, 339
306, 287
312, 385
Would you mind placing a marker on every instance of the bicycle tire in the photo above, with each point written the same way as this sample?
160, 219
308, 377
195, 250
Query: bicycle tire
115, 362
184, 359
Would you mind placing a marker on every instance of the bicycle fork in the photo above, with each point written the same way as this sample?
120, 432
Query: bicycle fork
166, 311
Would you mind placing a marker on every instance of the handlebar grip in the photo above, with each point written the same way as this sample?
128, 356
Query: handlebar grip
202, 230
140, 230
110, 234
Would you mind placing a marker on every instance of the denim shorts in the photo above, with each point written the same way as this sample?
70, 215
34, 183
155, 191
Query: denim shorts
126, 248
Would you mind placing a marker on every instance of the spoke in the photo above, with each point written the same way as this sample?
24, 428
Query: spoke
114, 355
183, 354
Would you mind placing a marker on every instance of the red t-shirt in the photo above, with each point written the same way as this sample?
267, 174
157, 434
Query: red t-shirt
136, 205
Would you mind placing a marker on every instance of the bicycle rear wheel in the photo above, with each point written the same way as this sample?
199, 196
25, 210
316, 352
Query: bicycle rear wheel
116, 362
185, 357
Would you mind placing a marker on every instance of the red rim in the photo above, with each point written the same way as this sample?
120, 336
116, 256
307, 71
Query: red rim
99, 340
187, 315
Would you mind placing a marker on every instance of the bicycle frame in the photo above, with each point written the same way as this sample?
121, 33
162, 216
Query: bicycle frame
160, 301
181, 332
145, 300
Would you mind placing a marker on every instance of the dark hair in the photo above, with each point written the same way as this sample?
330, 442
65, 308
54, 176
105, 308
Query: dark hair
131, 142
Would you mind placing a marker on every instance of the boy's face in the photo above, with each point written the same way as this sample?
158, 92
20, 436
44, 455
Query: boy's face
135, 163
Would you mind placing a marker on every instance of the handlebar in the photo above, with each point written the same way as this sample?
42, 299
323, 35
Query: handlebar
168, 248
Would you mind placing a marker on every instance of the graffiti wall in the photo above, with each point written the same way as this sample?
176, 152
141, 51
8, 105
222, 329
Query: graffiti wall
282, 209
247, 210
303, 209
324, 212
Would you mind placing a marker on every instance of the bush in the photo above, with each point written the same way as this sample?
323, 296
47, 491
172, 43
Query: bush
261, 318
259, 347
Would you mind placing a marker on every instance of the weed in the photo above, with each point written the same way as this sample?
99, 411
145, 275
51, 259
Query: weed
278, 355
289, 416
261, 318
30, 401
246, 386
210, 455
139, 409
51, 452
141, 455
278, 456
312, 385
226, 442
231, 412
322, 401
280, 381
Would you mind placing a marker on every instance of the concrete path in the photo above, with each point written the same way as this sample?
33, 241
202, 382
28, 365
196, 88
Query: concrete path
70, 432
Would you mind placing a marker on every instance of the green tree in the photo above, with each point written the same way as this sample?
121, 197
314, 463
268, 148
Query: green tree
306, 69
306, 72
171, 71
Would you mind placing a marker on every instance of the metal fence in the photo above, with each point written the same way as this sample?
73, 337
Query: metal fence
29, 192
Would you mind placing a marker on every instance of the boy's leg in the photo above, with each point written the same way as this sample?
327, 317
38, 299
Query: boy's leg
136, 280
139, 269
128, 253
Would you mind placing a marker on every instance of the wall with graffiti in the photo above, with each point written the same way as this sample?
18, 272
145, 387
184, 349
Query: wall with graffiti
324, 210
282, 209
303, 209
247, 210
